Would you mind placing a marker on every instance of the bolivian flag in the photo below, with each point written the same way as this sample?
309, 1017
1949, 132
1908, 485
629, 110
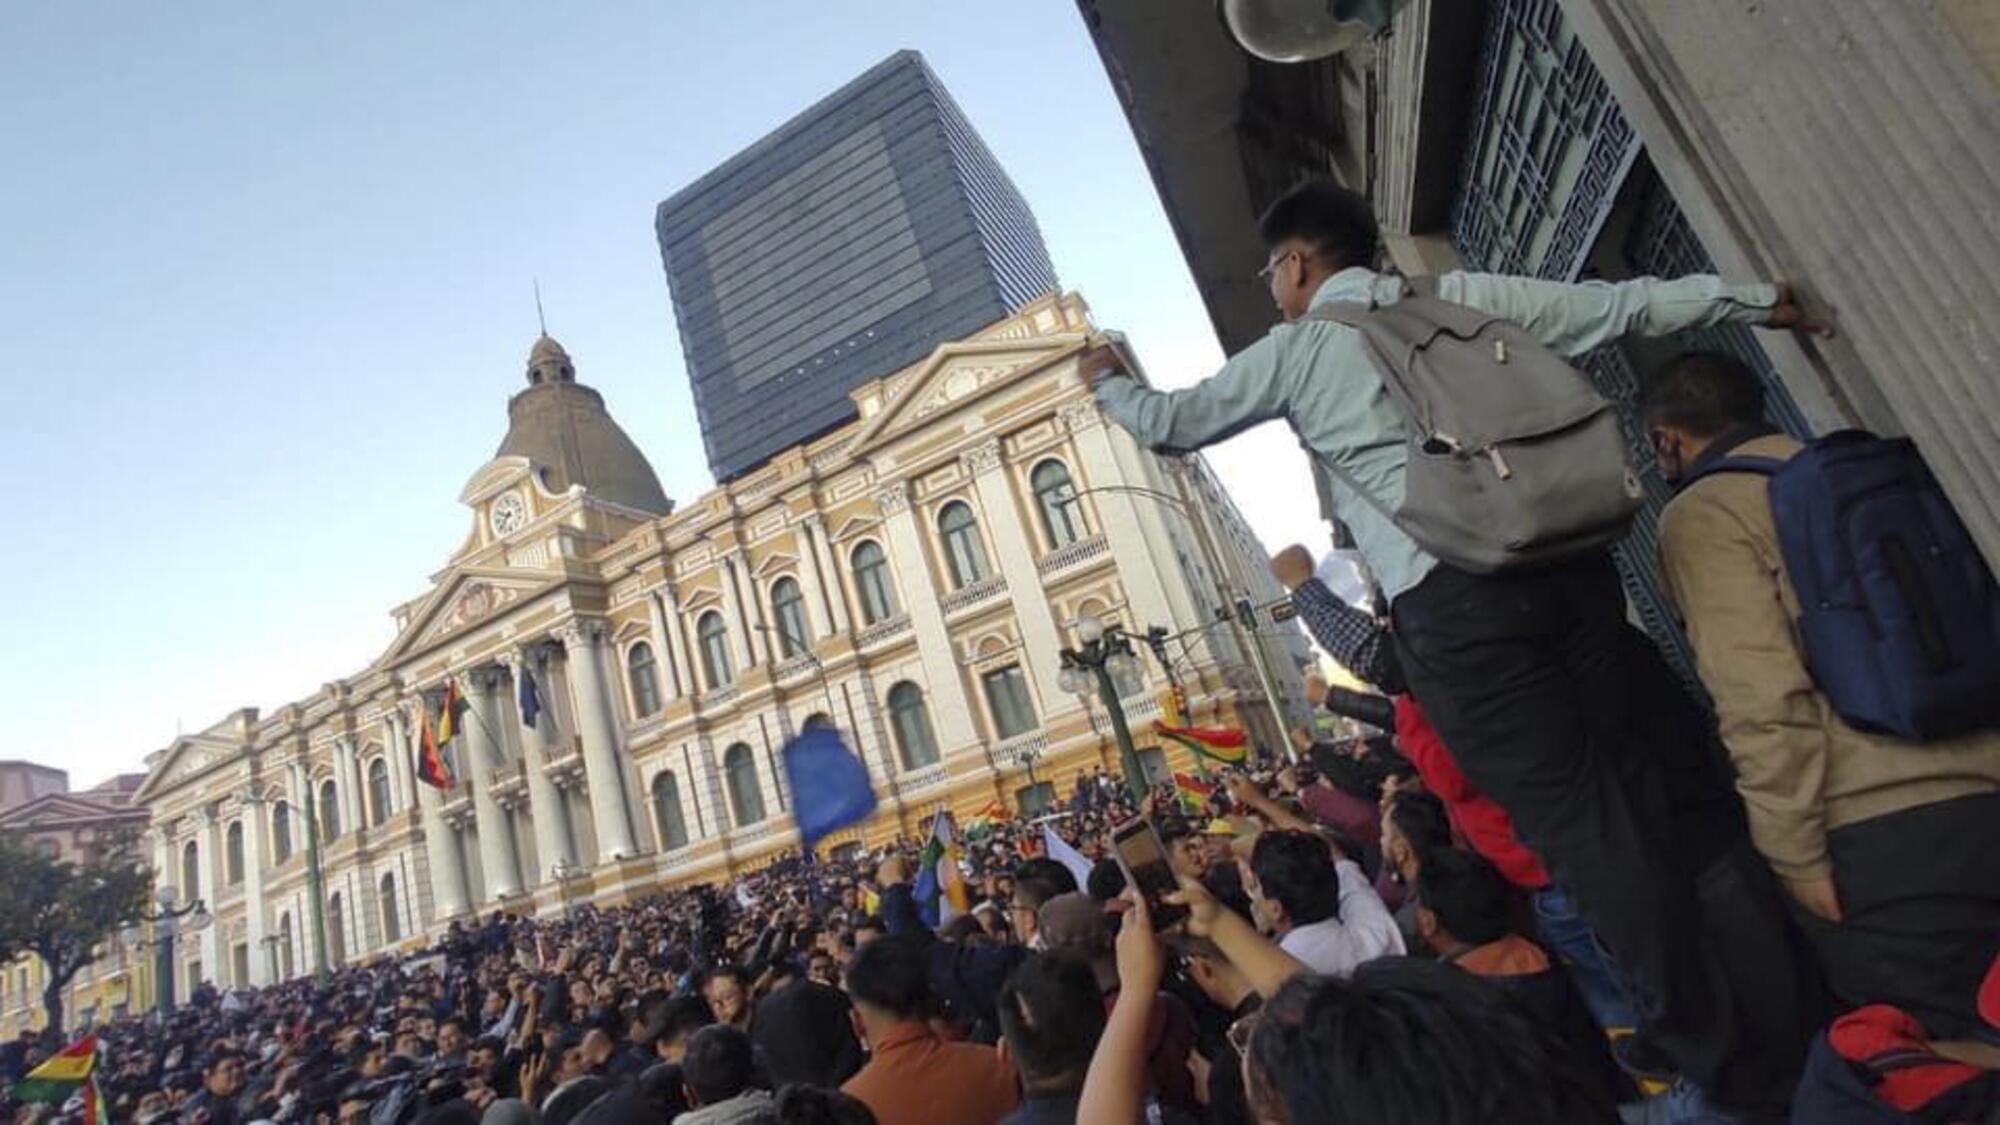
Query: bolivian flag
451, 714
1217, 744
432, 769
1194, 793
70, 1075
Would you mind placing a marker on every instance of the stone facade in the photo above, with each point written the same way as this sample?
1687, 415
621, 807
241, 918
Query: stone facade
909, 578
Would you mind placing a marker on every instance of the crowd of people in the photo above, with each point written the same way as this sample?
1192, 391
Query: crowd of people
1551, 888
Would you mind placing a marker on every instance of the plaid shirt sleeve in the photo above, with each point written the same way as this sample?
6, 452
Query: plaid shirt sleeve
1354, 638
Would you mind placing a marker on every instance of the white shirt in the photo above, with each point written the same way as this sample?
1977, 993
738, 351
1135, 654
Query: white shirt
1362, 931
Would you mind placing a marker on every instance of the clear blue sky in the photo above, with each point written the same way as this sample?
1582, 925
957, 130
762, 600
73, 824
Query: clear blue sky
265, 288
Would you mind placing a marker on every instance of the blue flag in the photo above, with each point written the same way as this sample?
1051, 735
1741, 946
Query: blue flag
829, 784
531, 697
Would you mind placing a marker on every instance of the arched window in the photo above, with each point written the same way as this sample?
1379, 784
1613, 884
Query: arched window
232, 853
789, 607
912, 724
285, 964
392, 924
746, 797
871, 583
643, 674
378, 792
336, 930
714, 638
190, 873
281, 830
329, 810
963, 554
1055, 497
667, 810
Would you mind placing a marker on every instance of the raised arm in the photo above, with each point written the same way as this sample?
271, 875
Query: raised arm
1247, 390
1574, 318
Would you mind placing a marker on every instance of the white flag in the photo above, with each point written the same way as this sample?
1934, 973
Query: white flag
1059, 850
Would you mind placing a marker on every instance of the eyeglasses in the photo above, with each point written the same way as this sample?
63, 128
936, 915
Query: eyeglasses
1239, 1033
1271, 267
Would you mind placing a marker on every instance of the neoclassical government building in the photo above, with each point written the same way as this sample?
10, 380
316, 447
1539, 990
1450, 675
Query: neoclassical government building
909, 578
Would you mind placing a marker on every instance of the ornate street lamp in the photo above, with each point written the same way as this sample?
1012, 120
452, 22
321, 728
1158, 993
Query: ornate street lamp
166, 919
1105, 657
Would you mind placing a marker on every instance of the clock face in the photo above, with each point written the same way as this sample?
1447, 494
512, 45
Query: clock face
509, 514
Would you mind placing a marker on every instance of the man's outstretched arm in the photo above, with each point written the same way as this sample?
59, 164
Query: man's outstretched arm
1574, 318
1245, 392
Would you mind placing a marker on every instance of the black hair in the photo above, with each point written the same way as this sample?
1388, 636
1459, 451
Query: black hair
219, 1056
1044, 873
660, 1086
719, 1063
1469, 898
679, 1017
799, 1104
1422, 820
1704, 393
1224, 881
1413, 1040
1337, 222
734, 972
1295, 869
892, 974
1052, 1015
1106, 882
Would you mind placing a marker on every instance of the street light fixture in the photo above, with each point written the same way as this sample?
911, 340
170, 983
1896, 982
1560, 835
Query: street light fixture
1104, 657
166, 919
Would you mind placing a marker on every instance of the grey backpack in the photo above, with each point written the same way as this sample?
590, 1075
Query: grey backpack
1515, 460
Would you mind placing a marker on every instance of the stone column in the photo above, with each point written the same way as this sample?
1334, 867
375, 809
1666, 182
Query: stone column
819, 609
1013, 541
683, 667
255, 829
545, 804
449, 894
1124, 529
402, 770
945, 689
670, 683
345, 797
166, 872
829, 569
496, 835
296, 785
745, 642
209, 827
720, 814
596, 722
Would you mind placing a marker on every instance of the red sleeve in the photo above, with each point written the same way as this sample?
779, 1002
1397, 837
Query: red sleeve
1425, 750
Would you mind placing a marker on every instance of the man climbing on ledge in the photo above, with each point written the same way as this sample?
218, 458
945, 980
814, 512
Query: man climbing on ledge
1556, 707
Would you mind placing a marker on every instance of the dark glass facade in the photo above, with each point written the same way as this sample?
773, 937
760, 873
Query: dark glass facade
843, 246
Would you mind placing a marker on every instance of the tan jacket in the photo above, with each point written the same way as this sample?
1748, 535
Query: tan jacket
1802, 772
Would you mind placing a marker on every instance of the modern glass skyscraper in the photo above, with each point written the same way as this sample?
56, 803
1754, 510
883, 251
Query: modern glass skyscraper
844, 245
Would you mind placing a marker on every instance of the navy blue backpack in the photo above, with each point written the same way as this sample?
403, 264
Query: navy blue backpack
1898, 610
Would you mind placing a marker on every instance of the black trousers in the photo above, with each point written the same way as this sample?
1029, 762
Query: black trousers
1920, 911
1561, 711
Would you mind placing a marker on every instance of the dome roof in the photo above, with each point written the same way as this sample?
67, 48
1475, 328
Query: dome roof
564, 429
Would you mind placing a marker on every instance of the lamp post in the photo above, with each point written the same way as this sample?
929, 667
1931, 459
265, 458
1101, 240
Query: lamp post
1228, 607
1105, 656
165, 918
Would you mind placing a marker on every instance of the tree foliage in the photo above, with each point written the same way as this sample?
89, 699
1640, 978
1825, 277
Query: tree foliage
62, 911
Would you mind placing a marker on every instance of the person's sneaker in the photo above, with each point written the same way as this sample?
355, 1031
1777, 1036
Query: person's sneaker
1643, 1059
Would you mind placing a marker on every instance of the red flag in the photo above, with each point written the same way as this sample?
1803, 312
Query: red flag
432, 769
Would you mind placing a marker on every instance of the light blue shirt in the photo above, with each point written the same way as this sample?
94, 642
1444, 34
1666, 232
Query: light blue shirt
1314, 375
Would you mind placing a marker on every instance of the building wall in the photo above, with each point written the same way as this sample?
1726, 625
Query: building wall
1850, 147
583, 593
